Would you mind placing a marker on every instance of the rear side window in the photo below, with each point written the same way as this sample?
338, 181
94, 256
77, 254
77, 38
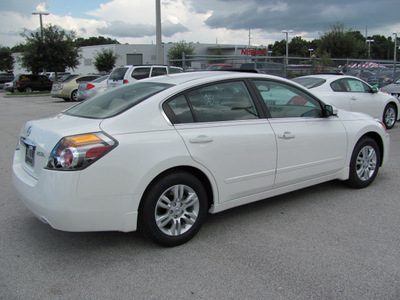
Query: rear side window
118, 74
141, 73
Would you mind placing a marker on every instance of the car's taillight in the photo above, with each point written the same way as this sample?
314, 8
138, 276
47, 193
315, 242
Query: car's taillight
89, 86
125, 81
79, 151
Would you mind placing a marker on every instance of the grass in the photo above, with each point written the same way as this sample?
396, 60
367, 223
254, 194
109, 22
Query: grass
31, 93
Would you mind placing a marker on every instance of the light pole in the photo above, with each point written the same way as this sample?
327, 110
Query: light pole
40, 13
160, 55
369, 47
311, 50
395, 50
287, 44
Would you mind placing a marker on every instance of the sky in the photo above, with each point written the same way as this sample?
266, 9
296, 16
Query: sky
234, 22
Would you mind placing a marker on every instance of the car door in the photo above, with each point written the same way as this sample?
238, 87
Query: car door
223, 132
362, 98
309, 145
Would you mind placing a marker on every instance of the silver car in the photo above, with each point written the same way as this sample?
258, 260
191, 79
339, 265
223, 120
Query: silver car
87, 90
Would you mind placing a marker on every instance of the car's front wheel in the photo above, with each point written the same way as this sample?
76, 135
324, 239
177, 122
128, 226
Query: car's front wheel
365, 162
389, 116
173, 209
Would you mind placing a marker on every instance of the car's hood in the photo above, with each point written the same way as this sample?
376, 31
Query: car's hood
42, 136
391, 88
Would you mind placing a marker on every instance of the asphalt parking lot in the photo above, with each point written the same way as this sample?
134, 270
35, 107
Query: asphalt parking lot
323, 242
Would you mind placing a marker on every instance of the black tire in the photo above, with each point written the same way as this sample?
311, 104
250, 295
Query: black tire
389, 116
176, 199
74, 95
365, 162
28, 89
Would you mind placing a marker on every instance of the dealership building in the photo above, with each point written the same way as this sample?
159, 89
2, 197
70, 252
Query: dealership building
144, 54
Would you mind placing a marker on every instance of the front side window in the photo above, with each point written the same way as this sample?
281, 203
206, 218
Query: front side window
158, 71
222, 102
286, 101
355, 86
141, 73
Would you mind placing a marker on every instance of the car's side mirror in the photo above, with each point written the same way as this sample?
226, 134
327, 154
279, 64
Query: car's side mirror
330, 110
374, 90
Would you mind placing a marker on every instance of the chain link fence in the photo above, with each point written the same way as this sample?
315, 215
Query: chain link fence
376, 72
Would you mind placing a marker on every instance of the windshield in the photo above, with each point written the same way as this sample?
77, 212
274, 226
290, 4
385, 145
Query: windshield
310, 82
118, 74
116, 101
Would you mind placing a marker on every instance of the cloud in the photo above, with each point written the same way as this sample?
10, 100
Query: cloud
123, 29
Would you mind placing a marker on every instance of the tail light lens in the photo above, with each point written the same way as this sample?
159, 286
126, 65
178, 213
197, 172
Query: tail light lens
125, 81
89, 86
79, 151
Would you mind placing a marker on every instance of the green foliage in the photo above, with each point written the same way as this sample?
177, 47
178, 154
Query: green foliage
56, 51
105, 60
92, 41
176, 52
6, 59
341, 43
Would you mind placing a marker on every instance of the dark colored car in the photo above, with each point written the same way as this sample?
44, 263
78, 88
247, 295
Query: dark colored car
29, 83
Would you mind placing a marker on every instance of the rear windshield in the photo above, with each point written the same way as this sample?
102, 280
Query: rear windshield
310, 82
116, 101
118, 74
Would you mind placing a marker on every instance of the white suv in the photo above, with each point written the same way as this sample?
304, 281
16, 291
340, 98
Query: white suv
127, 74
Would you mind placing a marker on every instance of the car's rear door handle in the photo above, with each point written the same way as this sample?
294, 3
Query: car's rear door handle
201, 139
353, 98
287, 135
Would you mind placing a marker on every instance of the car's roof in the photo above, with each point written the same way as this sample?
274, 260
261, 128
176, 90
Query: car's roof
181, 78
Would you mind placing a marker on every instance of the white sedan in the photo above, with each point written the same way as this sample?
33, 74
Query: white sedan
353, 94
158, 154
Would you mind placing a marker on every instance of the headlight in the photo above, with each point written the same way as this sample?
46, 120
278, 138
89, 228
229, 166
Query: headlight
79, 151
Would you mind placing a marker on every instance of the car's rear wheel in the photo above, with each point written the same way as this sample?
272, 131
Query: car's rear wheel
74, 95
28, 89
389, 116
173, 209
365, 162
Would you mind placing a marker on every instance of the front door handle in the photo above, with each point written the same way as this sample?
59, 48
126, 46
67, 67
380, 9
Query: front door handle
201, 139
287, 135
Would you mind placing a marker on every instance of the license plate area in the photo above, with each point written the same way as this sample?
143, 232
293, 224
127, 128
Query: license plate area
30, 148
30, 155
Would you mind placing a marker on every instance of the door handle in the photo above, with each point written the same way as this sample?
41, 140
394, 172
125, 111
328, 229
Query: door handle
353, 98
201, 139
287, 135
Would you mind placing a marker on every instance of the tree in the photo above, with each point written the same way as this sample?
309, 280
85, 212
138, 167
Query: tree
105, 60
299, 47
340, 43
176, 52
92, 41
6, 60
56, 51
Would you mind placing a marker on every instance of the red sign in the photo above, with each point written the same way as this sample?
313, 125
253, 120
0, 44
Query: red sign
254, 52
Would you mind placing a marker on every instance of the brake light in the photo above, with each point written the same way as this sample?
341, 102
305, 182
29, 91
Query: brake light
89, 86
125, 81
79, 151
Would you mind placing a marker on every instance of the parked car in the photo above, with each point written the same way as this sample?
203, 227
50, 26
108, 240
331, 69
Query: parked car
52, 75
87, 90
157, 154
353, 94
224, 66
68, 89
5, 77
392, 89
128, 74
29, 83
8, 86
272, 68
